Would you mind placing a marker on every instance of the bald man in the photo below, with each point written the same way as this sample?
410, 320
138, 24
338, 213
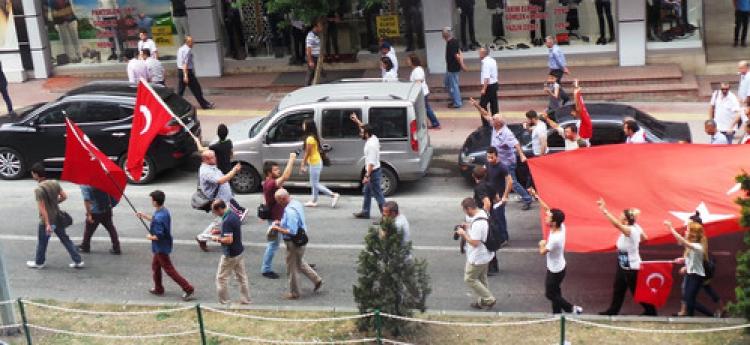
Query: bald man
489, 81
215, 185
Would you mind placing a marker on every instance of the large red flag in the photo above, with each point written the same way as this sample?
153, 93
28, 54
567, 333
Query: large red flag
664, 181
85, 164
149, 118
654, 283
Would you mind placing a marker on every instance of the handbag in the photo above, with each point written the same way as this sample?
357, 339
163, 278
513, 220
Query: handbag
300, 238
64, 219
264, 212
200, 201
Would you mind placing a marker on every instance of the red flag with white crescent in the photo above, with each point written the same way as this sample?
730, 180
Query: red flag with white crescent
664, 181
149, 118
654, 283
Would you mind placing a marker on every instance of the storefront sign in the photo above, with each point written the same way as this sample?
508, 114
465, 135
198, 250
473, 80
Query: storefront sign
387, 26
162, 35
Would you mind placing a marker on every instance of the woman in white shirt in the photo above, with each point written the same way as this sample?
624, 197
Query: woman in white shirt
696, 251
628, 258
418, 76
389, 73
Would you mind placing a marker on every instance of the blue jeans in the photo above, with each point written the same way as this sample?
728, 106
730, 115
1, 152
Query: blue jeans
730, 137
317, 187
271, 248
43, 240
372, 190
430, 114
451, 84
498, 223
517, 186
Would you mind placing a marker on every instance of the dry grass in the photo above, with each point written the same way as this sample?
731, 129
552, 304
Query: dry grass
548, 333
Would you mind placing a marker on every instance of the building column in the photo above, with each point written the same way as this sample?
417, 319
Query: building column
631, 31
437, 15
205, 28
36, 30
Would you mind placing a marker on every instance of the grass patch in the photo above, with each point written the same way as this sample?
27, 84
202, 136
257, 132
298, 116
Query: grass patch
186, 320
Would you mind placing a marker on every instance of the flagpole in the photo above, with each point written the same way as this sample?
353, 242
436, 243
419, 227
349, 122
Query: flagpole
111, 179
169, 110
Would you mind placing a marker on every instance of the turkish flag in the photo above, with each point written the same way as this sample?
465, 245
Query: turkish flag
149, 118
587, 129
85, 164
654, 283
664, 181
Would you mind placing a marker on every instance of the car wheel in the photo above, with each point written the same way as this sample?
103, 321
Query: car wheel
149, 170
11, 164
246, 181
389, 181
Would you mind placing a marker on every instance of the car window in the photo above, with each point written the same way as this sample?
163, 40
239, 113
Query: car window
177, 104
289, 128
337, 124
102, 112
607, 133
56, 114
388, 123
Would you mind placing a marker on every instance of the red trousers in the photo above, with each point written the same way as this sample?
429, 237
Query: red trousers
162, 261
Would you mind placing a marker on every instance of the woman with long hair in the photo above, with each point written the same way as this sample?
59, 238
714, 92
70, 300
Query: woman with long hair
418, 76
389, 72
314, 157
628, 257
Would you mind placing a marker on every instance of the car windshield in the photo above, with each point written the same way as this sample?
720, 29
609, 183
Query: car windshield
178, 104
23, 112
258, 126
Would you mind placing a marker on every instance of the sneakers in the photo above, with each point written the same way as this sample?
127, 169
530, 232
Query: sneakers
188, 296
311, 204
83, 249
243, 215
361, 215
33, 264
577, 309
335, 200
155, 292
76, 264
270, 275
318, 285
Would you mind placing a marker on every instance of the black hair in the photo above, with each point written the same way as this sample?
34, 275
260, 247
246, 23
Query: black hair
558, 216
143, 31
146, 52
129, 54
492, 150
387, 62
311, 129
531, 114
572, 127
632, 125
38, 170
268, 166
697, 218
158, 197
629, 216
367, 129
222, 131
218, 204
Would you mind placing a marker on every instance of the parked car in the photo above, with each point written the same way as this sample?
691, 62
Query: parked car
104, 111
395, 110
606, 118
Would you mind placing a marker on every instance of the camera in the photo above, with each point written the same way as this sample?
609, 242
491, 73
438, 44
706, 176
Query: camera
455, 232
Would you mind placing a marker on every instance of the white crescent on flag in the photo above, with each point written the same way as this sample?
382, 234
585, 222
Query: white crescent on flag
147, 114
655, 275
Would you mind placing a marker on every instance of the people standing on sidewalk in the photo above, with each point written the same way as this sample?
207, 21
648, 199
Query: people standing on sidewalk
556, 60
314, 157
387, 51
136, 68
49, 194
274, 179
489, 81
155, 68
232, 261
179, 18
454, 61
98, 205
144, 42
293, 224
553, 248
741, 16
312, 50
216, 185
725, 111
186, 74
373, 175
418, 76
4, 90
161, 246
474, 232
507, 146
628, 258
389, 71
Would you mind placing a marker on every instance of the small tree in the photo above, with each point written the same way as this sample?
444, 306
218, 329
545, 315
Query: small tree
389, 279
742, 306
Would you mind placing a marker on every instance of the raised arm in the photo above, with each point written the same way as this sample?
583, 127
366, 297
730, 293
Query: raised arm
287, 170
616, 223
483, 113
533, 193
680, 240
356, 120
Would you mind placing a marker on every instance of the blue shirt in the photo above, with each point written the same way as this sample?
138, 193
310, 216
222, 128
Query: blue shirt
232, 226
743, 5
185, 57
146, 23
556, 58
293, 219
161, 225
505, 142
100, 201
208, 177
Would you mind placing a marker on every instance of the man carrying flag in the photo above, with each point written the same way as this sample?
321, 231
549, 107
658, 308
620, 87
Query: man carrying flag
149, 118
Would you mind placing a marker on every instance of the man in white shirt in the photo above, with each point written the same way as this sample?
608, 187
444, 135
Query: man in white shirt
714, 137
136, 68
146, 43
634, 134
538, 133
474, 232
386, 50
743, 91
725, 110
489, 81
155, 68
186, 75
373, 174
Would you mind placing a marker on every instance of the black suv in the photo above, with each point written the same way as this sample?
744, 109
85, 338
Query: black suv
104, 111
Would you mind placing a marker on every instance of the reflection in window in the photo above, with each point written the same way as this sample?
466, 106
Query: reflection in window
289, 129
388, 123
337, 124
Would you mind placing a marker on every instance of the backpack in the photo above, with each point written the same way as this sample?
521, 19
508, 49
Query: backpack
709, 267
492, 243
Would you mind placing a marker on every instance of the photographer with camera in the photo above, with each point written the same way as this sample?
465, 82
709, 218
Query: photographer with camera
474, 232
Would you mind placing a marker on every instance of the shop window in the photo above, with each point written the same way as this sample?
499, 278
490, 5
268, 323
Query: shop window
674, 20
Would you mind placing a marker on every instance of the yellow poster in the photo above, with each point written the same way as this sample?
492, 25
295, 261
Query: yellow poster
387, 26
162, 35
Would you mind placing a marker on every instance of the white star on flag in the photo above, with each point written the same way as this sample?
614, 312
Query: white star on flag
706, 216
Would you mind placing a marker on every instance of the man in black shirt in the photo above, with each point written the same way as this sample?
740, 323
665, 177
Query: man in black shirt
232, 262
223, 149
454, 62
499, 181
